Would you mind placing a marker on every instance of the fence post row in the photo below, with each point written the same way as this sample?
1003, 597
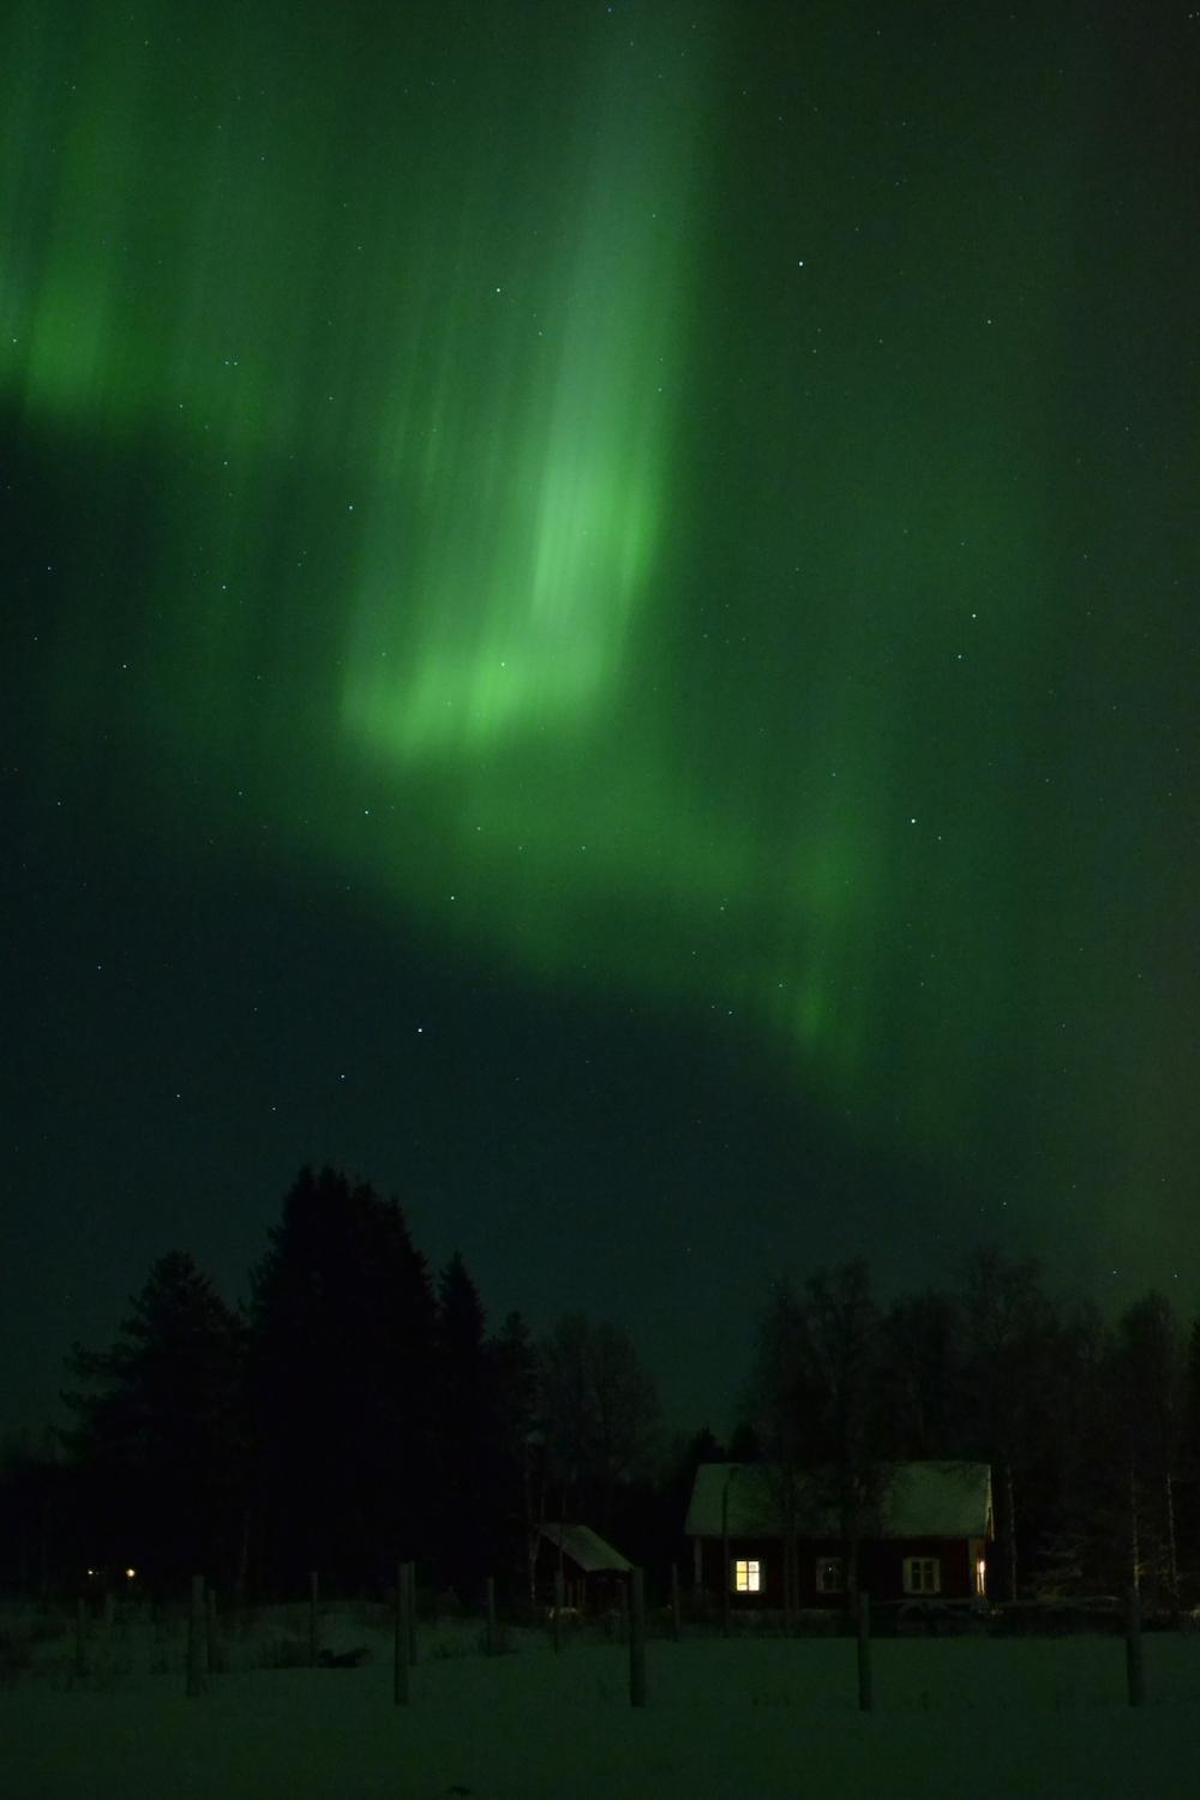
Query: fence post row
204, 1653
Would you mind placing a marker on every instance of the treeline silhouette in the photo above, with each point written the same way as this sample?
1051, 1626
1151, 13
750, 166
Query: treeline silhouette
353, 1412
356, 1410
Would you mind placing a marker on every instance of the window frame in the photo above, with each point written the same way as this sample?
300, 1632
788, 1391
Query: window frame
753, 1567
926, 1564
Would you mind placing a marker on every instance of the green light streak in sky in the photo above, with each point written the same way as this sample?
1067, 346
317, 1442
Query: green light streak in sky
539, 487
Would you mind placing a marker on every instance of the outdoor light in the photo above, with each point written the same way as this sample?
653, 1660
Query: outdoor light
131, 1573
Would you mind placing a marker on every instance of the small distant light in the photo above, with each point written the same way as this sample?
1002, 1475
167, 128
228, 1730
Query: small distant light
91, 1572
130, 1573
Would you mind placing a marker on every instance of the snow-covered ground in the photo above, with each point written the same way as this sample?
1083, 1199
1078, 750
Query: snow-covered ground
969, 1717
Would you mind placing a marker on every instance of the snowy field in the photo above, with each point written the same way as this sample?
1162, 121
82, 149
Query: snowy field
962, 1717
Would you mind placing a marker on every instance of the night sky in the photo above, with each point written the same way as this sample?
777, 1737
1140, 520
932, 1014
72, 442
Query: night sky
599, 626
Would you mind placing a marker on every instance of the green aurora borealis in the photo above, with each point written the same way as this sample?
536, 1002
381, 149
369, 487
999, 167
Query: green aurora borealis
692, 504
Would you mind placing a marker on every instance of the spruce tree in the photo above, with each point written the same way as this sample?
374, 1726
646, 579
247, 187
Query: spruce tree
342, 1364
159, 1439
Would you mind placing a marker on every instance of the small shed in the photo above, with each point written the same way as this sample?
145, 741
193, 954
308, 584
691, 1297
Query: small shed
593, 1572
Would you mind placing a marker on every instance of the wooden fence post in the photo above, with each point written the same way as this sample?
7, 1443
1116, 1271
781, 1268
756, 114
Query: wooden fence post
675, 1629
314, 1622
1135, 1672
411, 1612
726, 1574
211, 1642
492, 1645
864, 1653
195, 1640
80, 1638
110, 1616
637, 1639
400, 1670
556, 1618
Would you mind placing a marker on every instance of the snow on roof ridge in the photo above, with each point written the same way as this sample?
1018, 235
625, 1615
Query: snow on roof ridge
944, 1497
585, 1547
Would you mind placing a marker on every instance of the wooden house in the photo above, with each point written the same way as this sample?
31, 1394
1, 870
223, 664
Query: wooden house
927, 1537
593, 1572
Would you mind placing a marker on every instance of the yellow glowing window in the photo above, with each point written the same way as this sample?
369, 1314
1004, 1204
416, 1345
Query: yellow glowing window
747, 1577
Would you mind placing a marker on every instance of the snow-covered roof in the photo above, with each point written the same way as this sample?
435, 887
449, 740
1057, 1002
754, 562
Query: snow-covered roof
921, 1499
586, 1548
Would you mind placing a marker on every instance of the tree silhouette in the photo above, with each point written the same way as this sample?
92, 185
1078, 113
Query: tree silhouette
519, 1467
465, 1434
1009, 1348
1148, 1388
159, 1438
814, 1390
342, 1385
599, 1413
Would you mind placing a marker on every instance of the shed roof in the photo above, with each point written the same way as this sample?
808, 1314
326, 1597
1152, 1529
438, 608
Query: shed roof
921, 1499
586, 1548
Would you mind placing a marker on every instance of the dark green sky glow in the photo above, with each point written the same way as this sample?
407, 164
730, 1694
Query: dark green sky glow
601, 614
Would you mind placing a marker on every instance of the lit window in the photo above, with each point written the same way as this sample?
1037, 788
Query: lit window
922, 1575
831, 1577
747, 1577
981, 1576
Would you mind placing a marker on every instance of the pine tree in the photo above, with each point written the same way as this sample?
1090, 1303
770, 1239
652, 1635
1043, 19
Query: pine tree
343, 1386
159, 1438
